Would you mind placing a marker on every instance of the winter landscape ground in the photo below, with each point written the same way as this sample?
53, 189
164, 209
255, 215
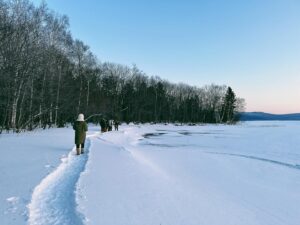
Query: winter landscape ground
248, 174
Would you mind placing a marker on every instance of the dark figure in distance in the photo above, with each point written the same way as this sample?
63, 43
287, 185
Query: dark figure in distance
116, 124
80, 127
103, 125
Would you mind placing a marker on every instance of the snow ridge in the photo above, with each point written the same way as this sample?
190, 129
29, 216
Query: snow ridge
53, 201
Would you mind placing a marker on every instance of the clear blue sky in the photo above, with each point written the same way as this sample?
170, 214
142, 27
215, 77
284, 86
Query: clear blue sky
253, 45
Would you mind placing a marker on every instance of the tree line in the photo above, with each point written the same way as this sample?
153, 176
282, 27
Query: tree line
47, 77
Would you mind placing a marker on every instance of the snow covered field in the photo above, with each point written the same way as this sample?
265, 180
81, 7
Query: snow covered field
247, 174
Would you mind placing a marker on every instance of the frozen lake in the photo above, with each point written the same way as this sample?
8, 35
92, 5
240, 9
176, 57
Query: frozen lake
247, 174
212, 174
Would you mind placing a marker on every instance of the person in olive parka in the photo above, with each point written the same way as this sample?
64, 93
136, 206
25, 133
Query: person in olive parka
80, 127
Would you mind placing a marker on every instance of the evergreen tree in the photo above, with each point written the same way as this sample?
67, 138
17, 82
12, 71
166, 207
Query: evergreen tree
229, 106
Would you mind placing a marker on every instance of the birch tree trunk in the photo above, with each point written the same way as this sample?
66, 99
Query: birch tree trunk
87, 97
57, 95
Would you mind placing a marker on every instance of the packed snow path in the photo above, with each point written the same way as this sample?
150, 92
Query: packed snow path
54, 199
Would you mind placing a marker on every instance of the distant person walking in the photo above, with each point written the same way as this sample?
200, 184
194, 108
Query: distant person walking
103, 125
80, 127
116, 124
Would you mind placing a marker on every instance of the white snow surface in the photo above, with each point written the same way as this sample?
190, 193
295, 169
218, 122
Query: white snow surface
183, 175
248, 174
26, 158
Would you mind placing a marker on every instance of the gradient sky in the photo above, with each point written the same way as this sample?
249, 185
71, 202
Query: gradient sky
252, 46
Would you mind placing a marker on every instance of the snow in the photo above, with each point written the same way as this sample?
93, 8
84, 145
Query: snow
216, 174
53, 200
26, 158
247, 174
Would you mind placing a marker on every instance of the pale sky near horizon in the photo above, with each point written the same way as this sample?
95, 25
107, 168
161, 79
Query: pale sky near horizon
252, 46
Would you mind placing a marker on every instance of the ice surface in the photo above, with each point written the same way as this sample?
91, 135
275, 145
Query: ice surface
247, 174
214, 174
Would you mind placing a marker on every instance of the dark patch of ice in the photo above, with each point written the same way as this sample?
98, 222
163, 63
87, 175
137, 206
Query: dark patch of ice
149, 135
189, 133
164, 145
